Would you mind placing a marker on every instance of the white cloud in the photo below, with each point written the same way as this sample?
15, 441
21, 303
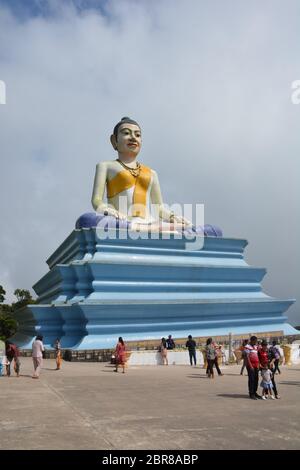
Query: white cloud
210, 84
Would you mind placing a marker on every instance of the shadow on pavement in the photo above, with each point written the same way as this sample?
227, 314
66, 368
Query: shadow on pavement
197, 376
233, 395
236, 375
291, 382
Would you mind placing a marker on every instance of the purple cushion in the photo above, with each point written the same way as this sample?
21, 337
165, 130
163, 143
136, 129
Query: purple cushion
206, 230
92, 219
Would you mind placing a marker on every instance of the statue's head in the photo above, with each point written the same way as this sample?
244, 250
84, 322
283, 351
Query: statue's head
127, 137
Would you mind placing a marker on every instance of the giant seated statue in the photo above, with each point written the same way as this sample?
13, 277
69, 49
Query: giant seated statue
134, 199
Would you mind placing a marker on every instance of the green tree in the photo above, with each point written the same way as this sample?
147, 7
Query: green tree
2, 294
23, 298
8, 323
22, 295
8, 326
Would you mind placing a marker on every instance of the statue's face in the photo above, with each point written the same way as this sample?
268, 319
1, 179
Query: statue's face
129, 140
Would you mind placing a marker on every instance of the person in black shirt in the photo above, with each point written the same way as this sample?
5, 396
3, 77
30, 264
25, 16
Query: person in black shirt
191, 345
170, 342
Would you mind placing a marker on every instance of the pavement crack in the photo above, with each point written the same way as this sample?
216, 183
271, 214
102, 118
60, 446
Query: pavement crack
80, 415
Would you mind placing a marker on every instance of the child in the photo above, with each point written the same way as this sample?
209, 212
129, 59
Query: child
266, 383
6, 363
222, 354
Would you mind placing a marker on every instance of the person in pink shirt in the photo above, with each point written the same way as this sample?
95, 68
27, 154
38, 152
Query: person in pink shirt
37, 356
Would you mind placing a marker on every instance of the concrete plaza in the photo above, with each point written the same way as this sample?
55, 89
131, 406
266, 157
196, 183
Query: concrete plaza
88, 406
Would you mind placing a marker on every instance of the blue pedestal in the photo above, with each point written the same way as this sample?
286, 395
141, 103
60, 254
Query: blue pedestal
99, 289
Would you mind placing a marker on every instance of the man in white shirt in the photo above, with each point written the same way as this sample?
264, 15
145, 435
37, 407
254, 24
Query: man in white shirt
37, 355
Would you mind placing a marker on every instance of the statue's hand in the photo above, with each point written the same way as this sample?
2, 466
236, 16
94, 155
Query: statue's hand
178, 220
114, 213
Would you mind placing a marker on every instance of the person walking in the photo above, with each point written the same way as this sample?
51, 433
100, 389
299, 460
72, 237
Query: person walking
252, 367
211, 354
271, 367
164, 352
218, 356
244, 356
12, 354
216, 359
37, 356
57, 348
170, 343
191, 345
277, 355
120, 355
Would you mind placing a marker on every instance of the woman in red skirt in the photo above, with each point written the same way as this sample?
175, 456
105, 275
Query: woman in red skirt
120, 355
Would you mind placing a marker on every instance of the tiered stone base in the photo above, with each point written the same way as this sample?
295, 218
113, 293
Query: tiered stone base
98, 289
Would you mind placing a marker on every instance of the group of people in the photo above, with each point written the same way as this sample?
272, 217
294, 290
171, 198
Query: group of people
12, 356
165, 346
38, 352
213, 353
259, 358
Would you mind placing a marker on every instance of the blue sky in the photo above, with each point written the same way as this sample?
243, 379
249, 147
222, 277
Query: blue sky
210, 83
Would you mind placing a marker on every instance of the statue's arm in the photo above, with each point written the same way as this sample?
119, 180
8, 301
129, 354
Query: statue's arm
99, 190
99, 187
163, 211
156, 198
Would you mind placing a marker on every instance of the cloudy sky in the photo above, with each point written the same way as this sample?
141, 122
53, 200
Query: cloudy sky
210, 83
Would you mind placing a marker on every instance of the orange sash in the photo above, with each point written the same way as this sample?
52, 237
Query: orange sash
125, 180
